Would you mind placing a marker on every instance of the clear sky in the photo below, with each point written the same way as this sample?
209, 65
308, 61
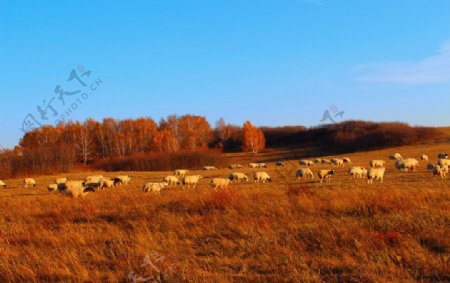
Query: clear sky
273, 62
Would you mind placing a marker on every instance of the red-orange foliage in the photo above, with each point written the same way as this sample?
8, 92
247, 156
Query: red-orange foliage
253, 138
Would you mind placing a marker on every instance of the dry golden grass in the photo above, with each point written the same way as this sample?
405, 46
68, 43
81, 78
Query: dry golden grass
286, 231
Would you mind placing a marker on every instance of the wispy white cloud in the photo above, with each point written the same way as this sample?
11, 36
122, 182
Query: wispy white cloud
432, 69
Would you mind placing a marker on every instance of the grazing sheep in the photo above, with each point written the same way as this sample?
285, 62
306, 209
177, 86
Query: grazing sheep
396, 156
424, 157
357, 172
61, 180
253, 165
238, 177
219, 183
122, 180
74, 189
29, 183
377, 163
337, 162
347, 160
306, 162
442, 156
364, 172
304, 173
209, 168
444, 162
2, 184
235, 166
375, 174
407, 165
180, 172
411, 164
261, 177
400, 165
154, 187
257, 165
326, 161
440, 171
325, 174
317, 161
191, 181
58, 187
106, 183
430, 166
95, 179
53, 187
280, 164
171, 180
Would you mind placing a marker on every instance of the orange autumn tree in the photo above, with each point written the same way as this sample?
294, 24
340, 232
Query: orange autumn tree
253, 138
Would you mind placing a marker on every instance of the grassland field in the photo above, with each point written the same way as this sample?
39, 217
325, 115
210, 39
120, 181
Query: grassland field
283, 231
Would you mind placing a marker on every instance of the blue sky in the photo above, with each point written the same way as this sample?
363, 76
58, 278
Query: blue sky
274, 62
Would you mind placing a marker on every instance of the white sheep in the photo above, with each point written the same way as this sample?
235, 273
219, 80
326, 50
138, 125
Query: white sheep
347, 160
209, 168
396, 156
442, 156
304, 173
261, 177
326, 161
60, 180
238, 177
377, 163
180, 172
95, 179
219, 183
357, 172
430, 166
375, 174
2, 184
317, 161
235, 166
444, 162
280, 164
257, 165
171, 180
364, 172
411, 164
122, 179
306, 162
440, 171
154, 187
337, 162
424, 157
407, 165
74, 189
29, 183
106, 183
191, 181
325, 174
53, 187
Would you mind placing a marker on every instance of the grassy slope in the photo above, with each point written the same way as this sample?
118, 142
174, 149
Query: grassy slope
284, 231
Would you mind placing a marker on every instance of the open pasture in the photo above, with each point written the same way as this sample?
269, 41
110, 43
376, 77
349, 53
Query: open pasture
283, 231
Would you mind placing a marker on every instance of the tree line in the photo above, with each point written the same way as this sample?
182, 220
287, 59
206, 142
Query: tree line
53, 148
143, 144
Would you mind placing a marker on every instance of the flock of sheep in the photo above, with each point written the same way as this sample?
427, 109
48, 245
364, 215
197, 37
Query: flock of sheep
377, 169
181, 177
79, 188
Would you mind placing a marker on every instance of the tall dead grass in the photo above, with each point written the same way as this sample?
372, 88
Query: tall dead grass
270, 235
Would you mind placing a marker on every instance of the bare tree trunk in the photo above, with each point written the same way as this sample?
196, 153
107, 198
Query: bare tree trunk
84, 145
